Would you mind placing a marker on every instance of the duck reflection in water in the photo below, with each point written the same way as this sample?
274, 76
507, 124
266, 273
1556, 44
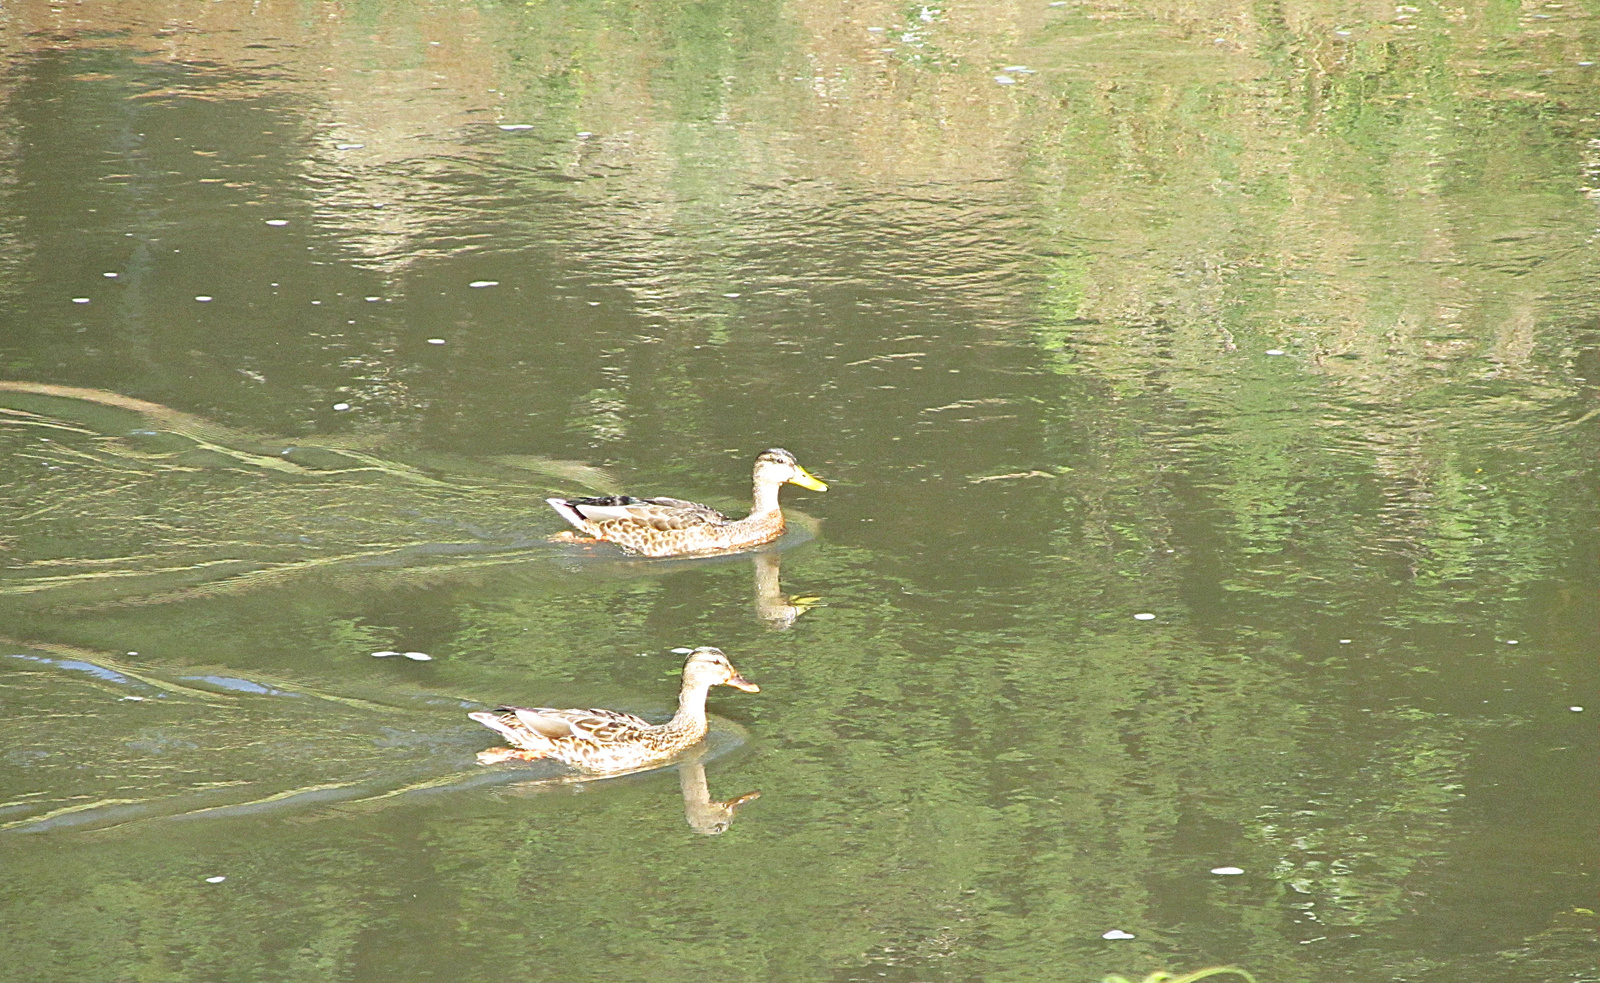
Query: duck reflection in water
706, 815
773, 606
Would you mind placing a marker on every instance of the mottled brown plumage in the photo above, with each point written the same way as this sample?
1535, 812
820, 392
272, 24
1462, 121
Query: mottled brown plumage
608, 741
672, 526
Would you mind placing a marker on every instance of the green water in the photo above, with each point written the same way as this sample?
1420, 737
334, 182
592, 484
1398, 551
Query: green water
1277, 323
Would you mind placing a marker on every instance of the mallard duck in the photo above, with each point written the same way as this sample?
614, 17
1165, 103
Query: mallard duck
604, 741
671, 526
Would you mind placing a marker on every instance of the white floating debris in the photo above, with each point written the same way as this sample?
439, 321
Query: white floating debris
134, 699
1585, 64
1005, 80
1227, 871
730, 296
215, 880
1024, 69
1058, 3
316, 303
516, 126
875, 30
435, 341
584, 134
1344, 641
1116, 934
136, 653
372, 300
341, 407
681, 651
80, 300
1576, 709
1274, 351
277, 221
1511, 641
384, 654
418, 656
1144, 616
203, 298
348, 146
109, 276
484, 283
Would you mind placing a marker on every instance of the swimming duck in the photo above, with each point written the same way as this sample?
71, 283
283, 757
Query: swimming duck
607, 741
671, 526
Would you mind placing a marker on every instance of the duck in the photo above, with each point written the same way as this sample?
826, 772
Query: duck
599, 742
673, 527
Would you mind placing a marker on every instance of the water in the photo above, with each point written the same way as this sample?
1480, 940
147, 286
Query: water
1275, 324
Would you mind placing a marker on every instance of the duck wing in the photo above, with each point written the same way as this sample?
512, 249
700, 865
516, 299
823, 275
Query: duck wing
593, 726
656, 513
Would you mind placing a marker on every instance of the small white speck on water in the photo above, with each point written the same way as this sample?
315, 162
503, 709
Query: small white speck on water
341, 407
384, 654
584, 134
1058, 3
1022, 69
1227, 871
316, 303
594, 303
1576, 709
348, 146
1344, 641
277, 221
134, 699
478, 284
508, 127
435, 341
1511, 641
80, 300
109, 276
372, 300
418, 656
203, 298
875, 30
1005, 80
1117, 934
730, 296
1274, 351
681, 651
1585, 64
1144, 616
135, 653
215, 880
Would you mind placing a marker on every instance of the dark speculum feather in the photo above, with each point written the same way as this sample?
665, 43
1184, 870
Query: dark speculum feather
606, 500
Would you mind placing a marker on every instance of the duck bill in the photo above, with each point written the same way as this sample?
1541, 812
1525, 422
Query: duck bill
805, 479
739, 682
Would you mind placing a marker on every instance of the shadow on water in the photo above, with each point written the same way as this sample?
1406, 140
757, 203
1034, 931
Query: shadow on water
102, 742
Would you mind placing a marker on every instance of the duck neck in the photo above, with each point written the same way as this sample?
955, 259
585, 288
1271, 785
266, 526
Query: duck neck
766, 498
691, 715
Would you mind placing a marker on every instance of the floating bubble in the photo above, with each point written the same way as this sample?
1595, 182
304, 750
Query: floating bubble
1144, 616
1511, 641
1344, 641
435, 341
341, 406
80, 300
215, 880
1227, 871
203, 298
1576, 709
371, 299
1116, 934
277, 221
1274, 351
418, 656
109, 276
484, 283
516, 126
